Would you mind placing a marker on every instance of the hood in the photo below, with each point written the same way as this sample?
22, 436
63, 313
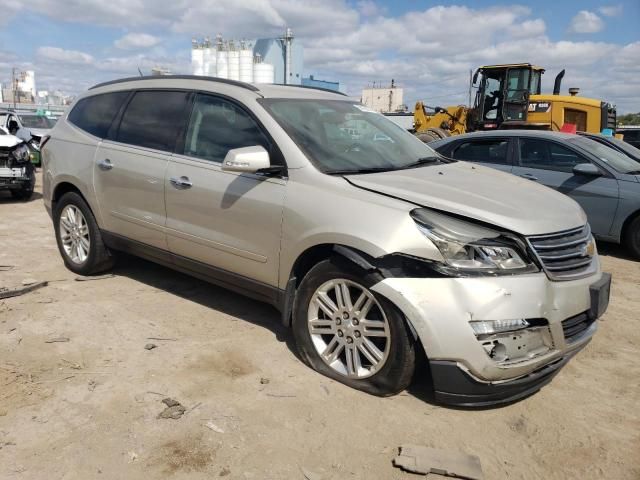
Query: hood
9, 141
39, 132
480, 193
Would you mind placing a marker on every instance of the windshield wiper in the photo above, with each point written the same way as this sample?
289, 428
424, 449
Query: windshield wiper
421, 161
359, 170
634, 172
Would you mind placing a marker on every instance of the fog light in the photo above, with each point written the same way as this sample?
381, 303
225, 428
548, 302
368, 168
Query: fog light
488, 327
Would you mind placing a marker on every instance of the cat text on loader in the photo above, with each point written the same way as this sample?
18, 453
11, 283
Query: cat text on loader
508, 96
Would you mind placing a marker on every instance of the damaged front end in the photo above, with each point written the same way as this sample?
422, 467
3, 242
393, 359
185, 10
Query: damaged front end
17, 173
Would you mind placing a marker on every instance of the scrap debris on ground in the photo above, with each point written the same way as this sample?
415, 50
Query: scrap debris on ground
426, 460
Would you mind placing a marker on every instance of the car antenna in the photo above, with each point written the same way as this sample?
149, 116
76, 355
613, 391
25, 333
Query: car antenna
140, 72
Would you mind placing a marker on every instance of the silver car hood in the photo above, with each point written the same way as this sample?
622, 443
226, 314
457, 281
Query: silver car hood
481, 193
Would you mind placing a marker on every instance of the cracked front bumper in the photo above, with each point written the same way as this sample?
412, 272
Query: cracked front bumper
439, 311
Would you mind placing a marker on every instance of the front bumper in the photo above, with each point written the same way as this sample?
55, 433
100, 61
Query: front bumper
463, 372
14, 178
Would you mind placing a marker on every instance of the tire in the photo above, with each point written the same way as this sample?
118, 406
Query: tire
632, 238
439, 132
26, 191
97, 257
385, 328
427, 137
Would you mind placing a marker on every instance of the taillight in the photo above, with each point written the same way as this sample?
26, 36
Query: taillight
44, 140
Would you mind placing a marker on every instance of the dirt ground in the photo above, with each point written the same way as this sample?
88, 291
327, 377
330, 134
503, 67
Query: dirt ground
87, 408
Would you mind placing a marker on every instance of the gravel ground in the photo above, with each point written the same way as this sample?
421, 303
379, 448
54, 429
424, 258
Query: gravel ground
88, 407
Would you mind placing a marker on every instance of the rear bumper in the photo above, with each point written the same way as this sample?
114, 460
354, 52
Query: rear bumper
455, 386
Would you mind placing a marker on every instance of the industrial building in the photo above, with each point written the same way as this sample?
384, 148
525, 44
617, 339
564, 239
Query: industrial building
267, 60
384, 99
310, 81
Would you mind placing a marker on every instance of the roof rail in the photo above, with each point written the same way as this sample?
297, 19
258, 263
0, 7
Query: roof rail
248, 86
311, 87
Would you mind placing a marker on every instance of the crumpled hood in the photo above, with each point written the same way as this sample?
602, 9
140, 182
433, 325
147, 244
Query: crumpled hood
9, 141
39, 132
482, 193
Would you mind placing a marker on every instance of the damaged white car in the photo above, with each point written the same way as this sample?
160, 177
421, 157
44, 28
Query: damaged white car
17, 173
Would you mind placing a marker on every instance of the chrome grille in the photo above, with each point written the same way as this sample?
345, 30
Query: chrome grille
565, 255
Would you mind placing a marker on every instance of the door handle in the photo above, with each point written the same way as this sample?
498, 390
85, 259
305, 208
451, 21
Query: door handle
529, 176
105, 164
181, 183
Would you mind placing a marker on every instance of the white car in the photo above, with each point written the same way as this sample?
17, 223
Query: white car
17, 173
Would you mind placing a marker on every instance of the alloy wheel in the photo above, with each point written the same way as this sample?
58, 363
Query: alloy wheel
348, 328
74, 234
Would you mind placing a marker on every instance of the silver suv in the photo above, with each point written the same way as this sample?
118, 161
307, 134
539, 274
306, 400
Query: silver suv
374, 252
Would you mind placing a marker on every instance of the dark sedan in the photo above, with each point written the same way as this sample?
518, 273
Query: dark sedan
605, 182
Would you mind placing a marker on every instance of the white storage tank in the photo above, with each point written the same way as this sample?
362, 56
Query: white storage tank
222, 62
263, 73
197, 58
209, 59
234, 63
246, 64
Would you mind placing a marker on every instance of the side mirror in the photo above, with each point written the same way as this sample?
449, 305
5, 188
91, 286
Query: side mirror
587, 169
246, 159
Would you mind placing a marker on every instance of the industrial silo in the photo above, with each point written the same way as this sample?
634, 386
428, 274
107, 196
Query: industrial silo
246, 63
209, 59
263, 72
197, 58
222, 60
234, 62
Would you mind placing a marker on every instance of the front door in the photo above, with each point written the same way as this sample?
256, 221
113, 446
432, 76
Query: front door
129, 171
227, 220
551, 164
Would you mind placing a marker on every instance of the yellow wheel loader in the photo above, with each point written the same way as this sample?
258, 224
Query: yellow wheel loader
508, 96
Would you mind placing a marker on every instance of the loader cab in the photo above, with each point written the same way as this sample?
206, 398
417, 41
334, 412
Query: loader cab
502, 98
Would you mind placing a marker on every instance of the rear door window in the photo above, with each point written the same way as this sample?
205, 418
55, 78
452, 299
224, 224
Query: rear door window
485, 151
154, 119
95, 114
535, 153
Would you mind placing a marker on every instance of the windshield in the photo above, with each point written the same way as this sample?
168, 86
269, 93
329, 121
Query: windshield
36, 121
616, 160
342, 137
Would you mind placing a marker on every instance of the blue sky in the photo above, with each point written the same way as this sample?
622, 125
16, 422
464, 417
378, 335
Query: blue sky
428, 47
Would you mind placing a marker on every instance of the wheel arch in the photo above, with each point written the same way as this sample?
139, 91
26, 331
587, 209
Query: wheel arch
311, 257
627, 223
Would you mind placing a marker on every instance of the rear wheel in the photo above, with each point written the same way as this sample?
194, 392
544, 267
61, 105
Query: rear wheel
632, 238
78, 236
347, 332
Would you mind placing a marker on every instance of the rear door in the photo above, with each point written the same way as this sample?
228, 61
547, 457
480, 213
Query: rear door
130, 167
494, 152
227, 220
551, 163
516, 95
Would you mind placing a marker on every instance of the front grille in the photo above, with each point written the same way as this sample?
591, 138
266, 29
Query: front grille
565, 255
574, 327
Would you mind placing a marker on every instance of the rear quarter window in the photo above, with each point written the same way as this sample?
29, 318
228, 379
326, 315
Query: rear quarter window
95, 114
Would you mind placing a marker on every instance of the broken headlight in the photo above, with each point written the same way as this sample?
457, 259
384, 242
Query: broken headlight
470, 248
20, 154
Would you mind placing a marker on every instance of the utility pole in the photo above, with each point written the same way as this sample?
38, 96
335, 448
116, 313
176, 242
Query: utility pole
470, 85
14, 84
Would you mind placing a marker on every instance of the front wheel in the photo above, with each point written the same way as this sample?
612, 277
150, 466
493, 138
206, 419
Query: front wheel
347, 332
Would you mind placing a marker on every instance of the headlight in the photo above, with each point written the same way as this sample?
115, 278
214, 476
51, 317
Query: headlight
468, 247
21, 153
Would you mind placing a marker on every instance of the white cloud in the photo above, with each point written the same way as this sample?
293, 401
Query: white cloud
586, 22
133, 41
64, 56
611, 10
369, 8
428, 51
